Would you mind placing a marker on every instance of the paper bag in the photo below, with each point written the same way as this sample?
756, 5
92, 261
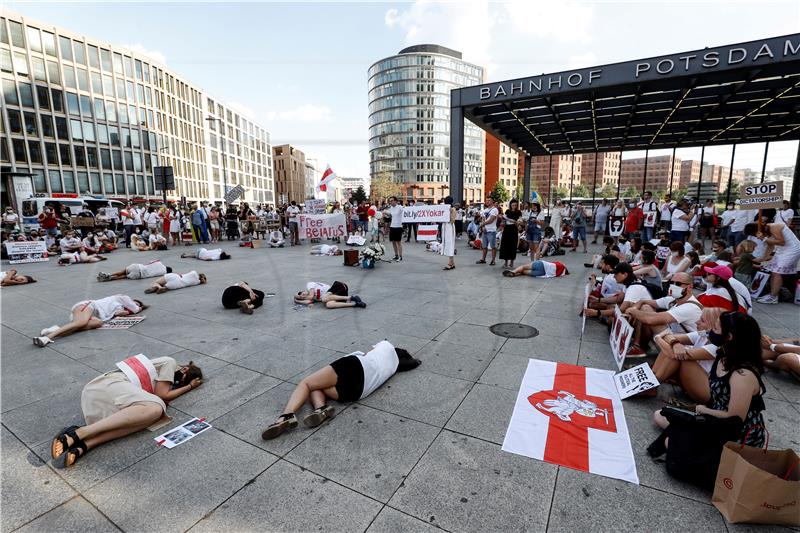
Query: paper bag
759, 486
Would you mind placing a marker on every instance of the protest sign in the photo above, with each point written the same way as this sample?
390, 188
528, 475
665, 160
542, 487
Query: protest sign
620, 338
427, 232
112, 213
233, 194
426, 214
122, 322
26, 252
586, 291
179, 435
615, 225
762, 196
649, 219
635, 380
571, 416
321, 226
315, 207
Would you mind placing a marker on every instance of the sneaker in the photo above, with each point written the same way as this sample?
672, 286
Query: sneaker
103, 276
401, 258
355, 298
42, 341
48, 331
396, 258
768, 299
318, 416
360, 305
635, 352
283, 423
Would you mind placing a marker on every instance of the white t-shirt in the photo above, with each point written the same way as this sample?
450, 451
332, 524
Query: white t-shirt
106, 308
12, 217
666, 210
292, 211
699, 339
318, 289
678, 224
3, 275
157, 239
379, 364
636, 293
741, 218
209, 255
179, 281
761, 246
610, 287
397, 216
69, 242
151, 270
137, 216
489, 213
784, 216
728, 217
686, 314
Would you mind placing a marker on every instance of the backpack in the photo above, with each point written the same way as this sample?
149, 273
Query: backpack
656, 291
197, 218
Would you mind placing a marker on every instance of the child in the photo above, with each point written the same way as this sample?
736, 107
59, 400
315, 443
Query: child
744, 264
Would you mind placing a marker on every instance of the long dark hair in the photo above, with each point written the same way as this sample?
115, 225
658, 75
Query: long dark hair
725, 284
184, 378
743, 348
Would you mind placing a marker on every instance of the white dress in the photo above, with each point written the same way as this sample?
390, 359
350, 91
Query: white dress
786, 257
174, 222
448, 248
555, 222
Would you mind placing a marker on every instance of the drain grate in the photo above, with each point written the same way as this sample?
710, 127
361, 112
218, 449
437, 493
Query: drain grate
513, 330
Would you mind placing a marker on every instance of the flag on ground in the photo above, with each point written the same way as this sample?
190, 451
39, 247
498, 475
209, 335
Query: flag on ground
327, 177
571, 416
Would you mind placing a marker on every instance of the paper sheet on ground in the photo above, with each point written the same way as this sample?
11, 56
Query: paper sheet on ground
571, 416
635, 380
122, 322
179, 435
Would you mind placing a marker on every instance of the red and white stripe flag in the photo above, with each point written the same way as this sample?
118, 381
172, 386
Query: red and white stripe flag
571, 416
327, 177
140, 371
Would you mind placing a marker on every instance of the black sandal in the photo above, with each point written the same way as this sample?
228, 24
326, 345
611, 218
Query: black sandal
73, 454
449, 267
61, 438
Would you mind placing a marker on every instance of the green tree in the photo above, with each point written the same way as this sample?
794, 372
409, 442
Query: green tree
723, 196
608, 191
521, 192
500, 194
630, 192
561, 192
359, 195
581, 191
679, 193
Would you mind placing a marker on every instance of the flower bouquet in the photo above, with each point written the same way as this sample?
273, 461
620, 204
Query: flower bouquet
370, 254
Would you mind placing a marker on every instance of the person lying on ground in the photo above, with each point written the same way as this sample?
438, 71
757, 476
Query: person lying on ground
91, 314
207, 255
781, 354
79, 257
11, 277
334, 296
126, 400
243, 297
156, 241
173, 282
347, 379
325, 249
153, 269
538, 269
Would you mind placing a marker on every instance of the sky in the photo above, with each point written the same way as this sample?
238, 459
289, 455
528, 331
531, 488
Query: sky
299, 69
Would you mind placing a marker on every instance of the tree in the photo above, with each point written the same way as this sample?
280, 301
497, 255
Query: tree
561, 192
723, 196
581, 191
359, 195
384, 187
521, 192
500, 194
608, 191
630, 192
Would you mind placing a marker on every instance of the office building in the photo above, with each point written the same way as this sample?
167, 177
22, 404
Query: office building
502, 164
661, 172
87, 117
349, 185
690, 172
290, 174
409, 122
607, 169
313, 175
556, 172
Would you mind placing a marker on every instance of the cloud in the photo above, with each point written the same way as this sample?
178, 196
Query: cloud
565, 21
589, 59
302, 113
155, 55
242, 109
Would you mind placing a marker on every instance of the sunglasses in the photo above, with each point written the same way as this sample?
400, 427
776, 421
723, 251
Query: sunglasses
682, 284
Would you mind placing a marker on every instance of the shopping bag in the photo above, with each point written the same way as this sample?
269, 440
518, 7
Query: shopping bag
758, 485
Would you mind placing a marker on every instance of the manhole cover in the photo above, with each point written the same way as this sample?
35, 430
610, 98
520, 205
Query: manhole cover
513, 330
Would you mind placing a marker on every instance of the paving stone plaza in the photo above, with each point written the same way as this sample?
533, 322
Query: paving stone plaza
422, 453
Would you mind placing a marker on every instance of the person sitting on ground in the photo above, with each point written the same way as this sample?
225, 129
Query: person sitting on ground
173, 282
677, 262
153, 269
717, 247
90, 244
538, 269
781, 354
334, 296
207, 255
719, 292
139, 243
276, 239
688, 357
348, 379
91, 314
679, 311
108, 240
325, 249
11, 277
610, 249
70, 243
744, 264
243, 297
79, 257
124, 401
550, 245
623, 276
474, 228
735, 385
156, 241
610, 292
648, 272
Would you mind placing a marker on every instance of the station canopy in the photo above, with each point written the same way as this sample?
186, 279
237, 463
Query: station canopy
740, 93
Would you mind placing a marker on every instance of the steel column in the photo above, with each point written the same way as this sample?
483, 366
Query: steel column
644, 178
730, 176
526, 184
594, 178
571, 175
700, 176
794, 198
457, 154
549, 189
672, 171
764, 163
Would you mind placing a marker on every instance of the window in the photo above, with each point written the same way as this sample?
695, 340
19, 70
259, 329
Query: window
126, 137
17, 36
66, 48
88, 131
83, 79
135, 139
20, 154
105, 158
80, 53
137, 162
99, 109
86, 106
91, 159
26, 94
14, 121
131, 184
3, 39
128, 161
138, 70
113, 134
58, 100
128, 67
5, 61
94, 57
116, 158
108, 85
117, 63
34, 39
120, 183
80, 156
120, 89
35, 150
49, 43
51, 153
69, 77
55, 181
53, 72
30, 123
97, 185
66, 158
97, 83
123, 114
39, 181
10, 92
108, 183
39, 71
72, 104
47, 126
105, 59
61, 129
69, 181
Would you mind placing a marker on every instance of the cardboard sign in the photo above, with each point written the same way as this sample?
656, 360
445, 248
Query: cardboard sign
321, 226
427, 232
179, 435
426, 214
26, 252
759, 281
112, 213
315, 207
649, 219
82, 222
635, 380
233, 194
122, 322
586, 291
620, 338
762, 196
615, 225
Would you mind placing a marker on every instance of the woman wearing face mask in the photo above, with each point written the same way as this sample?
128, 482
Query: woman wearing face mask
126, 400
676, 262
556, 217
734, 380
533, 228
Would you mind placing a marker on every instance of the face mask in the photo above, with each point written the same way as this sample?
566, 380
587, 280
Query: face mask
717, 339
675, 291
673, 254
176, 380
708, 284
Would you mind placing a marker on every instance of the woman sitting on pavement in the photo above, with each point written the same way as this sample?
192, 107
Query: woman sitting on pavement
243, 297
11, 277
781, 354
72, 258
550, 245
539, 269
91, 314
156, 241
676, 262
91, 245
139, 243
276, 239
648, 272
609, 293
153, 269
173, 282
719, 292
623, 276
126, 400
347, 379
333, 296
734, 381
207, 255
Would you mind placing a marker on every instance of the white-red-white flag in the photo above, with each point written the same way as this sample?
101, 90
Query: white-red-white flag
571, 416
327, 177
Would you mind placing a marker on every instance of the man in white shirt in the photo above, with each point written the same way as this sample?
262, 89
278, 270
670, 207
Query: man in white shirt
601, 219
785, 215
650, 209
291, 212
680, 218
396, 228
741, 218
726, 219
666, 212
489, 229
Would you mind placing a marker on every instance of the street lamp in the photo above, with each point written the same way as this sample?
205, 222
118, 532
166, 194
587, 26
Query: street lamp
224, 164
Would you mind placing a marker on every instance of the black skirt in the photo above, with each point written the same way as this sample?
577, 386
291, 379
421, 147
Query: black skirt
235, 294
508, 242
349, 378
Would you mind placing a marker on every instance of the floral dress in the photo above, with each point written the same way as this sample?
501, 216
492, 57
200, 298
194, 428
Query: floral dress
721, 396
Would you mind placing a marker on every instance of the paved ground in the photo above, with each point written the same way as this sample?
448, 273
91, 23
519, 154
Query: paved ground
421, 453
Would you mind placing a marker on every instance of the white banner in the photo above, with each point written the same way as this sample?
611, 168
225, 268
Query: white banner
621, 337
571, 416
635, 380
426, 214
26, 252
427, 232
315, 207
321, 226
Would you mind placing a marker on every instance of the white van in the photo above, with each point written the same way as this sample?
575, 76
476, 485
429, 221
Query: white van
31, 207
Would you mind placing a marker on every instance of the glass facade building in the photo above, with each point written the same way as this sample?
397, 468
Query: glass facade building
86, 117
409, 122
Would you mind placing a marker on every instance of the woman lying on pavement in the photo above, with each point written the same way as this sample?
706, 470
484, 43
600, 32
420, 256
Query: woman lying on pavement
243, 297
333, 296
12, 278
90, 314
153, 269
208, 255
781, 354
72, 258
538, 269
124, 401
347, 379
173, 282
